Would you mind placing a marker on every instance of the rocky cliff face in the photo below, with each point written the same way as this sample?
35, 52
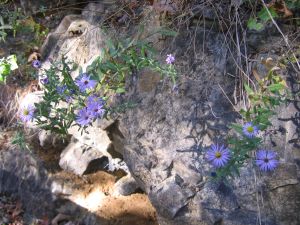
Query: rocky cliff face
164, 138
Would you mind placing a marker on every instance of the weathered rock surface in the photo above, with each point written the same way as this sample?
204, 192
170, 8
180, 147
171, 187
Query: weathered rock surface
166, 136
80, 158
48, 140
76, 39
22, 175
125, 186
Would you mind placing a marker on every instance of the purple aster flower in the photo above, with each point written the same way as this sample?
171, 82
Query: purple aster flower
170, 59
36, 64
84, 82
61, 89
266, 160
92, 98
70, 97
27, 113
44, 80
218, 155
96, 109
84, 117
250, 130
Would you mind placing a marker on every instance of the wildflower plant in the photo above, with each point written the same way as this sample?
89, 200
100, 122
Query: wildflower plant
246, 141
80, 101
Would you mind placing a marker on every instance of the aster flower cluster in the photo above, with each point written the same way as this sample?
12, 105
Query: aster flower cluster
220, 156
75, 95
94, 109
83, 106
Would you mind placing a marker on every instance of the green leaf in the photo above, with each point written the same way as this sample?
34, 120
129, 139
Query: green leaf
276, 87
12, 60
237, 127
120, 90
167, 32
4, 69
264, 15
248, 89
254, 25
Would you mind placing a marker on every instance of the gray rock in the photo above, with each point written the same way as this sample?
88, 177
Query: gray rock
22, 175
74, 35
117, 164
125, 186
50, 140
80, 158
166, 135
94, 137
93, 12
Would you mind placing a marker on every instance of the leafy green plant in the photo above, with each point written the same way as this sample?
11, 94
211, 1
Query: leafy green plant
15, 21
7, 65
258, 23
19, 140
293, 4
10, 20
269, 93
73, 102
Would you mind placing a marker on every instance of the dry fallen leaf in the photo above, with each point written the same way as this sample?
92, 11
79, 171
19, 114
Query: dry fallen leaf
17, 211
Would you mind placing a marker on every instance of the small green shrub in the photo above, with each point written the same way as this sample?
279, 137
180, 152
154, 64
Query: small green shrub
15, 21
7, 65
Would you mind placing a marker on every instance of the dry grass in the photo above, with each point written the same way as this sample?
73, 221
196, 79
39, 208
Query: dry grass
10, 98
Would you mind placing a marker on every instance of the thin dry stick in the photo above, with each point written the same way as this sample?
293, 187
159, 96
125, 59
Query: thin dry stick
239, 59
228, 99
231, 53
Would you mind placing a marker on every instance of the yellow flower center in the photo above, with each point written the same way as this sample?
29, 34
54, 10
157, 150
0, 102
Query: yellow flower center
218, 154
250, 129
26, 112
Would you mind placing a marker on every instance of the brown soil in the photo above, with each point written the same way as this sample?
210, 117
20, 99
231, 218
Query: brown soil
95, 193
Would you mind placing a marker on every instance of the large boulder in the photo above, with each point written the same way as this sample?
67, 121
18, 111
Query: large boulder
168, 132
